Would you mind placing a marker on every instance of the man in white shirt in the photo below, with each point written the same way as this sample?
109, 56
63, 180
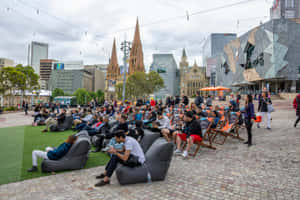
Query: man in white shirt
132, 150
163, 124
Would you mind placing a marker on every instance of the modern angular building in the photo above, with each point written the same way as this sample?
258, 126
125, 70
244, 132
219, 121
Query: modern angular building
266, 56
98, 78
166, 66
212, 47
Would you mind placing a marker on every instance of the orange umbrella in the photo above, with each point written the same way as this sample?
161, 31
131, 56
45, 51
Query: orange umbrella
222, 88
208, 89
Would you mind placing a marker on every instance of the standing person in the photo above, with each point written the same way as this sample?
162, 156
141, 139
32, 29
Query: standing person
264, 101
208, 101
198, 100
185, 100
249, 117
57, 107
238, 98
26, 108
132, 149
296, 104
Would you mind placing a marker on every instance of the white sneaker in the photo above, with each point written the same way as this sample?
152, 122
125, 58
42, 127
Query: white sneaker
185, 154
177, 151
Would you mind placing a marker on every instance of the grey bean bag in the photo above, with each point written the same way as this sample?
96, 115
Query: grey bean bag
148, 139
67, 125
74, 159
158, 159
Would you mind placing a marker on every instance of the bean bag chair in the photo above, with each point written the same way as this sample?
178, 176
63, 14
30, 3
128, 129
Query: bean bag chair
148, 139
76, 157
158, 159
67, 125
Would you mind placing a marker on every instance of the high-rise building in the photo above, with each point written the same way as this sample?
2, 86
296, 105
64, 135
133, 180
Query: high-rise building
38, 51
68, 65
45, 72
70, 80
98, 77
288, 9
4, 62
136, 59
166, 66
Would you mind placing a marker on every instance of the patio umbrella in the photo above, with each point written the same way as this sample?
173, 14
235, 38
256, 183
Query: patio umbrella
220, 88
208, 89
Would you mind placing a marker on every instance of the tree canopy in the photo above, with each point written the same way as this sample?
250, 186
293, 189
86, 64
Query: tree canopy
140, 84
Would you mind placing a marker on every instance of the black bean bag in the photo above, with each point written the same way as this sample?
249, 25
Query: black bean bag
67, 125
148, 139
76, 157
158, 159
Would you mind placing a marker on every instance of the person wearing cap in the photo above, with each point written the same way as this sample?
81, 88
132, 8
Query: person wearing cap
191, 133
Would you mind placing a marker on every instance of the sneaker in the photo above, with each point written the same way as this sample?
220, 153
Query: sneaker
33, 169
177, 151
100, 176
269, 128
105, 149
102, 183
185, 154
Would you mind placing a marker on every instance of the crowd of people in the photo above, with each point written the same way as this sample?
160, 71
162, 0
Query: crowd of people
177, 120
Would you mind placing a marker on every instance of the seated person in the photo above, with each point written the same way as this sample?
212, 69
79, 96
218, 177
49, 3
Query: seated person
191, 133
200, 113
87, 124
114, 144
85, 119
138, 132
52, 153
58, 120
138, 114
75, 114
122, 123
162, 124
131, 148
41, 117
102, 132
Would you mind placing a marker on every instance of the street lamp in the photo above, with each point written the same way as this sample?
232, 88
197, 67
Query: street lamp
125, 47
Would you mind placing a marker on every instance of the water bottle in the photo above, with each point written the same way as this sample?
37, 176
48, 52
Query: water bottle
149, 178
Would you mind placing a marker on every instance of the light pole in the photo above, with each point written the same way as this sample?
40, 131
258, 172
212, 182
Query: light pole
125, 47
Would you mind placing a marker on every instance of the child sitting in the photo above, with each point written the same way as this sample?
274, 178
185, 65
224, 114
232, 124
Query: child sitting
52, 153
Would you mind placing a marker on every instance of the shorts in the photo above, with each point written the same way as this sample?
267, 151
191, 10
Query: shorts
170, 130
196, 138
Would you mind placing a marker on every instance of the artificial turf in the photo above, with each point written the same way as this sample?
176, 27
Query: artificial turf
17, 144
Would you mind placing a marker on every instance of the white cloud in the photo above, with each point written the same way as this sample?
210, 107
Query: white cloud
65, 22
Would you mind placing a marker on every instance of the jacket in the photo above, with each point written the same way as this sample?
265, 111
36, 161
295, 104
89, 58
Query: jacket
61, 118
59, 152
249, 111
296, 104
198, 101
263, 104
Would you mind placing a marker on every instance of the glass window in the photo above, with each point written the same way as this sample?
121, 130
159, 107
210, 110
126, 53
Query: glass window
289, 3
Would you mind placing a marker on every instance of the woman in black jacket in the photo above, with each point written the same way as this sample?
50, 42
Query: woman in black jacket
249, 117
264, 101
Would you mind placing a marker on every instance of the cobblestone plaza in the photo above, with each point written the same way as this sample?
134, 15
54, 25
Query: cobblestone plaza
267, 170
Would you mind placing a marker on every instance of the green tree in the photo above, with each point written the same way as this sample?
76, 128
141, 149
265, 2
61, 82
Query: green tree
57, 92
140, 85
10, 81
100, 96
32, 79
82, 96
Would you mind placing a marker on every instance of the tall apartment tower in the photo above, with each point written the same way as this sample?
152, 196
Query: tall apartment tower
288, 9
38, 52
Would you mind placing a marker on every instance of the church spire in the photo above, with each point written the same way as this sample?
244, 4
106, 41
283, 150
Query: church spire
136, 59
183, 53
113, 70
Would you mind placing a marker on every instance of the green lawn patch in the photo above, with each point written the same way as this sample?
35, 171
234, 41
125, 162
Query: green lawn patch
17, 144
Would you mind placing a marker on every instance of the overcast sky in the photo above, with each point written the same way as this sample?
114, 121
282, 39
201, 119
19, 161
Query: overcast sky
84, 29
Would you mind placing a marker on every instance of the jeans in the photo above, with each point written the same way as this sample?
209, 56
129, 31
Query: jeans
81, 126
268, 118
112, 165
249, 129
